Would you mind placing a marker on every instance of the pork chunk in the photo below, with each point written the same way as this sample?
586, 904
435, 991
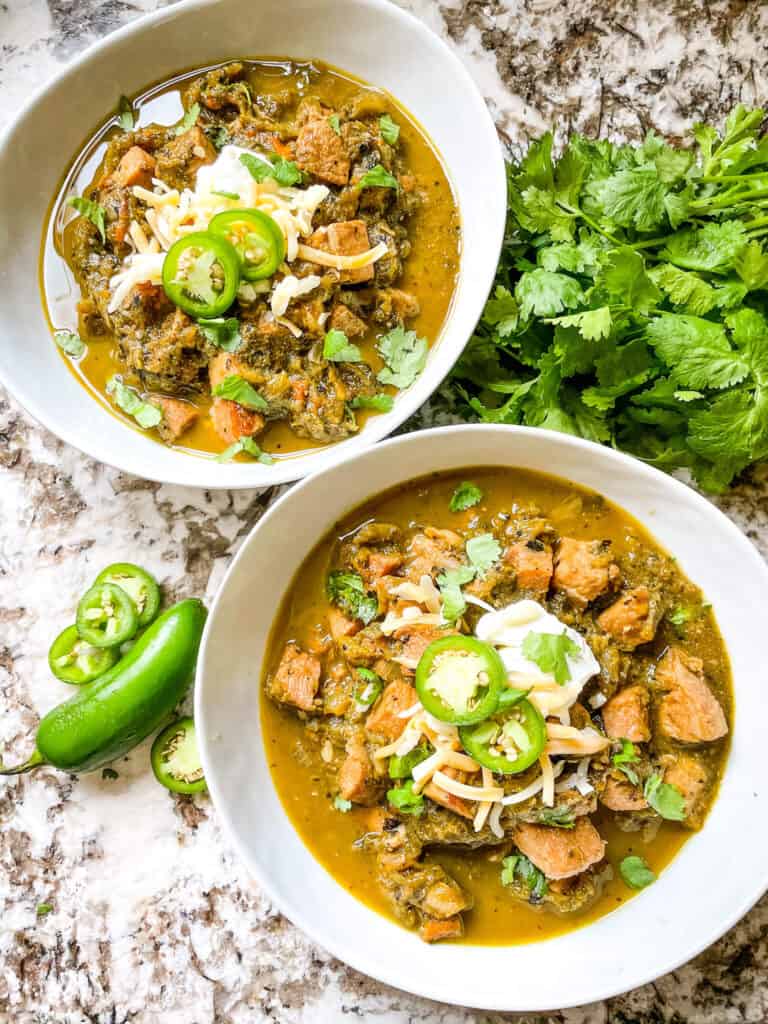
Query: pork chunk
136, 167
343, 319
178, 417
356, 780
532, 562
320, 151
448, 800
345, 238
432, 930
179, 160
560, 852
620, 795
433, 550
340, 626
226, 364
632, 620
583, 570
232, 421
688, 711
297, 678
625, 716
688, 774
383, 719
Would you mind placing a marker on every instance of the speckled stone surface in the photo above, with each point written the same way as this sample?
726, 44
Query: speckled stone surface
153, 921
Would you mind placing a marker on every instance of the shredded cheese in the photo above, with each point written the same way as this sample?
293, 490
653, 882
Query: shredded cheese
494, 820
532, 789
445, 782
548, 781
564, 739
485, 807
339, 262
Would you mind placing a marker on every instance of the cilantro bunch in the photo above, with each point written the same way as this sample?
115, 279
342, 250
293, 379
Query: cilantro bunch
631, 300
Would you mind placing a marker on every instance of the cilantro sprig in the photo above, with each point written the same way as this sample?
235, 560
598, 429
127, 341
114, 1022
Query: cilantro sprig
631, 300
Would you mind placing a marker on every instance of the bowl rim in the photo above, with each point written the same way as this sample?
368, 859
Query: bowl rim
366, 961
189, 469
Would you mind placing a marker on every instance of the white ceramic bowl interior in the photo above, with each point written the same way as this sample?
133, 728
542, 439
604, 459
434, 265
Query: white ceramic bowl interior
721, 871
374, 40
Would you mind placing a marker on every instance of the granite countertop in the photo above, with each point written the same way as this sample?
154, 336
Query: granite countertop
153, 920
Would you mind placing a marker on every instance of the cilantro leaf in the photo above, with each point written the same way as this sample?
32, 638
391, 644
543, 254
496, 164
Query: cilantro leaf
223, 332
189, 120
405, 800
338, 349
550, 651
347, 590
627, 754
557, 817
664, 798
236, 389
697, 351
684, 288
247, 446
482, 551
546, 293
128, 399
341, 804
405, 356
333, 121
92, 211
519, 867
752, 266
636, 872
624, 277
125, 115
401, 767
632, 198
592, 324
380, 402
284, 172
378, 177
70, 342
712, 247
502, 311
390, 131
465, 496
450, 583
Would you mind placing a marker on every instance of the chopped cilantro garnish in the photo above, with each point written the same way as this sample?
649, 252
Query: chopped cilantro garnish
333, 121
339, 349
390, 131
550, 651
284, 172
465, 496
380, 402
405, 800
450, 583
125, 114
482, 551
347, 590
247, 446
636, 872
341, 804
189, 120
69, 342
223, 332
664, 798
378, 177
518, 866
402, 767
557, 817
405, 356
372, 684
128, 399
236, 389
92, 210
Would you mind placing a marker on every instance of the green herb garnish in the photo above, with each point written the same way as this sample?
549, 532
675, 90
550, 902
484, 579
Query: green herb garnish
636, 872
380, 402
339, 349
341, 804
465, 496
623, 758
482, 551
333, 121
518, 866
557, 817
550, 651
223, 332
347, 590
69, 342
390, 131
128, 399
450, 583
125, 114
378, 177
92, 210
236, 389
247, 446
224, 194
372, 684
189, 120
402, 767
664, 798
630, 301
405, 800
284, 172
405, 356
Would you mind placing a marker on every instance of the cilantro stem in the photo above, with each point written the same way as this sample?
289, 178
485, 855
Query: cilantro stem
729, 199
714, 178
578, 212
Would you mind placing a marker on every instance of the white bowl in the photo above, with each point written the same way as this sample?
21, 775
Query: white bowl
718, 875
374, 40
